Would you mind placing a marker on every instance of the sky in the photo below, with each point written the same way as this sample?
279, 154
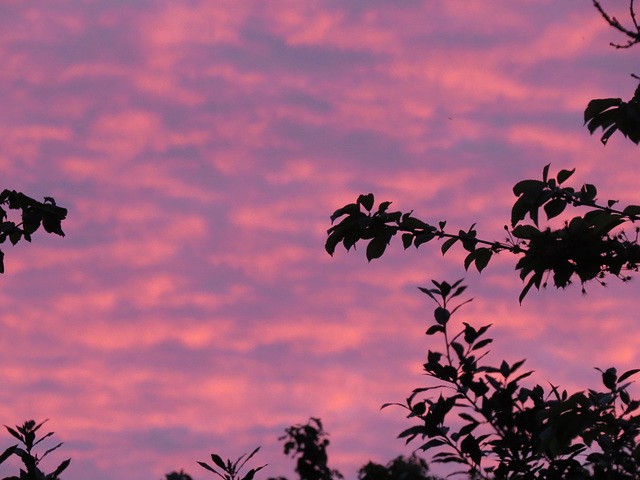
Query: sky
200, 148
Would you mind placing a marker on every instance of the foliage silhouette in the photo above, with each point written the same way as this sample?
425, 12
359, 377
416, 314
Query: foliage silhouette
26, 434
481, 417
33, 215
585, 247
231, 470
309, 444
400, 468
613, 114
177, 476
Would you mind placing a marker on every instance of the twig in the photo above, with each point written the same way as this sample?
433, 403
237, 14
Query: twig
613, 21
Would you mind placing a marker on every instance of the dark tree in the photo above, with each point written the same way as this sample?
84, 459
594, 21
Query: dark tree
400, 468
177, 476
308, 444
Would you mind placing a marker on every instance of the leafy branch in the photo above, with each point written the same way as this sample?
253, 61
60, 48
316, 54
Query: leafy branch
33, 215
613, 114
26, 434
231, 470
585, 246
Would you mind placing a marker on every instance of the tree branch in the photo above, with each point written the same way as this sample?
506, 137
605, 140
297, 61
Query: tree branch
634, 37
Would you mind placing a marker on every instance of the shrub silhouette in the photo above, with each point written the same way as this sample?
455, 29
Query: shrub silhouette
308, 444
26, 434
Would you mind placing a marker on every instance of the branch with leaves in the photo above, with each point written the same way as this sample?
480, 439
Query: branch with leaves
613, 114
26, 434
585, 246
33, 214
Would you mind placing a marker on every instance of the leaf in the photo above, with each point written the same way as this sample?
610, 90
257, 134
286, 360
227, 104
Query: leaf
258, 448
14, 433
627, 374
52, 225
442, 315
604, 120
588, 194
7, 453
427, 291
527, 186
15, 236
504, 369
366, 201
376, 247
597, 106
412, 223
459, 349
383, 207
443, 287
555, 207
435, 329
423, 238
407, 240
448, 244
527, 232
459, 291
469, 259
332, 241
609, 378
545, 172
519, 211
60, 468
563, 175
535, 279
413, 431
470, 446
432, 443
349, 209
605, 136
482, 343
632, 210
481, 256
204, 465
218, 461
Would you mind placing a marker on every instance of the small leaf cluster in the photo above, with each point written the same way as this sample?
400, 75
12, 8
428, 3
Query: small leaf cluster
231, 470
586, 246
613, 114
481, 417
309, 444
33, 215
26, 434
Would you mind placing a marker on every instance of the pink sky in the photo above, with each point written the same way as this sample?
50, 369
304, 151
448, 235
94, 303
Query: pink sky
200, 147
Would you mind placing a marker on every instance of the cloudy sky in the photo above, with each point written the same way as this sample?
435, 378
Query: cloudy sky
200, 147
